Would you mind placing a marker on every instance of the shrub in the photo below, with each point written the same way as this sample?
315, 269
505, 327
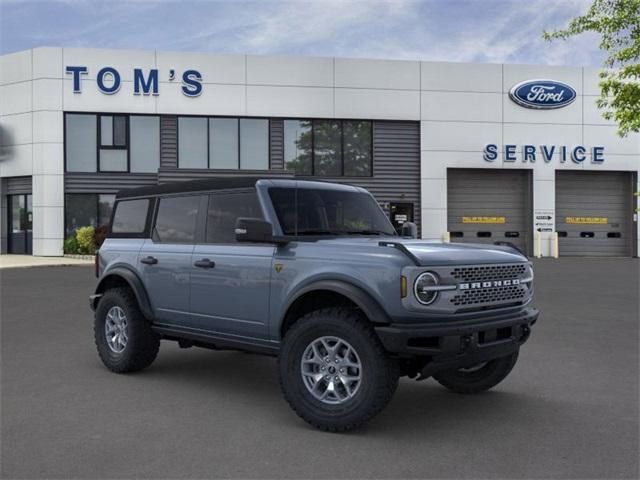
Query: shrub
84, 237
99, 235
71, 245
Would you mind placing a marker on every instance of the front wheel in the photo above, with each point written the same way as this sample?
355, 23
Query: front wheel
333, 370
477, 378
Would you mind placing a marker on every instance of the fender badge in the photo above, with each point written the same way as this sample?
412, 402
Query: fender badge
278, 267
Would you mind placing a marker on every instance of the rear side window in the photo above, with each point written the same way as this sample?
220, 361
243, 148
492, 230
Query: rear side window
130, 216
224, 210
176, 219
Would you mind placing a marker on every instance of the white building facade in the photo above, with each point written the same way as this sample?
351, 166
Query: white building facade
457, 148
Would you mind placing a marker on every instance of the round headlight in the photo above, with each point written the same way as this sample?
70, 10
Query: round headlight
422, 289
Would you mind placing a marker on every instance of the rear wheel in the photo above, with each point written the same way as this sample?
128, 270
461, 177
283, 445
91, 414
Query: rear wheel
333, 370
477, 378
123, 337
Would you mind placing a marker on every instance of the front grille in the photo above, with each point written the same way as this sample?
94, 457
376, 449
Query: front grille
489, 272
511, 293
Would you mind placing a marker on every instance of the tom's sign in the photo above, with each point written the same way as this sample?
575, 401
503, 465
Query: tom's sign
108, 80
542, 94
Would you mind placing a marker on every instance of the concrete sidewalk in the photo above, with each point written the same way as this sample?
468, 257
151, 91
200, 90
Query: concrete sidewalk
25, 261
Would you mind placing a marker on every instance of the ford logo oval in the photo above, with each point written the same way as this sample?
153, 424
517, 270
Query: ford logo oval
542, 94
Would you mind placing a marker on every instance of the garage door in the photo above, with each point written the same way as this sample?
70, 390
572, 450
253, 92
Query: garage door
593, 213
487, 206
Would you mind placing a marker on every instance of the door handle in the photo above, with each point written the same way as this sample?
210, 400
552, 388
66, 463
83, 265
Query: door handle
204, 263
149, 260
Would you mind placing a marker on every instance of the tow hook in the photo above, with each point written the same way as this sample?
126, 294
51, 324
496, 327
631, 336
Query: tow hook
526, 331
465, 341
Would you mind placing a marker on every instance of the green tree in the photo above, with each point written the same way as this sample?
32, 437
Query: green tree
618, 23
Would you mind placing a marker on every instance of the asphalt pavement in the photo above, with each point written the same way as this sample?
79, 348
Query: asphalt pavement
569, 409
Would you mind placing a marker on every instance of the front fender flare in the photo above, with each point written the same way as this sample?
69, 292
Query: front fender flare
365, 302
135, 283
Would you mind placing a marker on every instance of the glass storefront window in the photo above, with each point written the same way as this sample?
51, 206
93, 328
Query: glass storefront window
327, 143
254, 144
223, 143
297, 146
87, 209
192, 142
80, 142
144, 143
357, 148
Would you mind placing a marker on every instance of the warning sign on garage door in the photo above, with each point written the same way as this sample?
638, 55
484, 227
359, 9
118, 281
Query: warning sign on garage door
484, 220
587, 220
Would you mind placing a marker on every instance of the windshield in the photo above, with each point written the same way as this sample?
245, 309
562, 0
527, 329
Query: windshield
307, 211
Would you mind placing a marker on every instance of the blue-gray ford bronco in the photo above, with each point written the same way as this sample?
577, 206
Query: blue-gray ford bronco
314, 273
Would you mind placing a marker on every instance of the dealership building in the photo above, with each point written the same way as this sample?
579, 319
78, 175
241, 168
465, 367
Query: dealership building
469, 152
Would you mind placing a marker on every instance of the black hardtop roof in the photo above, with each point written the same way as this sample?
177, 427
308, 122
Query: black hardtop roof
218, 183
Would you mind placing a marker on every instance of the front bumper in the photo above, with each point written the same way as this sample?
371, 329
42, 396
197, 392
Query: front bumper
459, 344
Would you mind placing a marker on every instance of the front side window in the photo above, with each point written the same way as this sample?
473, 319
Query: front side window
80, 142
307, 211
224, 210
176, 219
130, 216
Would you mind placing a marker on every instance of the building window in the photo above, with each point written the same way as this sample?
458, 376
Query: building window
223, 143
327, 148
112, 143
254, 144
80, 142
298, 155
332, 148
144, 150
192, 142
87, 209
357, 146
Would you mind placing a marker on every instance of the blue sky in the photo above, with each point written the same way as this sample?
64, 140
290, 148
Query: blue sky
445, 30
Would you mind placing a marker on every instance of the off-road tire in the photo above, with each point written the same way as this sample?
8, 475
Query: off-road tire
379, 372
142, 344
480, 380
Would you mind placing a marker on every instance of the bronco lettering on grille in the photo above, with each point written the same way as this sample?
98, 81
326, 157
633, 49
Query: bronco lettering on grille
491, 284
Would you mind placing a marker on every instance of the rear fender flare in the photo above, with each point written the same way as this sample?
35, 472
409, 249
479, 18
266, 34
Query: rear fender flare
135, 283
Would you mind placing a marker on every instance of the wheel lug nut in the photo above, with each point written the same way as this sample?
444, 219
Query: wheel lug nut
328, 377
342, 370
322, 368
335, 378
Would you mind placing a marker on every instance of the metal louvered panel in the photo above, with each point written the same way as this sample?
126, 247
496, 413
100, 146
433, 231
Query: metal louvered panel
276, 144
18, 185
106, 182
594, 213
168, 141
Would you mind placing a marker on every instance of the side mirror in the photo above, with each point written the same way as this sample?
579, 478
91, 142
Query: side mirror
409, 229
253, 230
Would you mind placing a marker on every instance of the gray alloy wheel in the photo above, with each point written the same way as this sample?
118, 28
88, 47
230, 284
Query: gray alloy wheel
331, 370
115, 329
